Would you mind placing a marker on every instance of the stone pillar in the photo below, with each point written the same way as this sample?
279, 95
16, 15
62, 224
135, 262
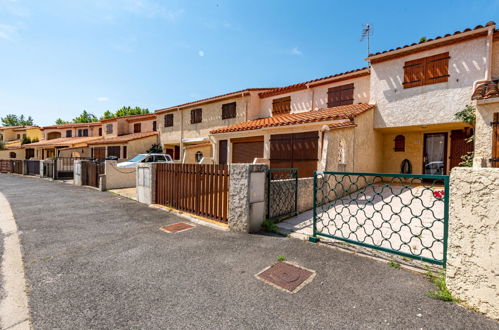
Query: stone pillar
247, 206
41, 169
473, 252
77, 170
146, 183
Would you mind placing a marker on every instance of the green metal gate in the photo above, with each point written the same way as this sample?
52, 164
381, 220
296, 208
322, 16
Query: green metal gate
282, 193
403, 214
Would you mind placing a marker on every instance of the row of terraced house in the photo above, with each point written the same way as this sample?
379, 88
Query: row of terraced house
395, 115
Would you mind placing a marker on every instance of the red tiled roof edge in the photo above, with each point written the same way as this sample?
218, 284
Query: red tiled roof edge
68, 125
315, 116
303, 85
486, 90
123, 138
130, 117
211, 98
431, 40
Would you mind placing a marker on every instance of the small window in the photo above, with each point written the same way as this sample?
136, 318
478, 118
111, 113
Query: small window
196, 116
154, 127
80, 132
113, 151
426, 71
169, 120
137, 128
12, 154
18, 136
399, 143
85, 132
199, 156
229, 110
281, 105
124, 152
69, 133
100, 131
109, 128
340, 95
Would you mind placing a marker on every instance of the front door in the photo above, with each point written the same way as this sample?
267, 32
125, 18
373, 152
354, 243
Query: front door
459, 147
435, 153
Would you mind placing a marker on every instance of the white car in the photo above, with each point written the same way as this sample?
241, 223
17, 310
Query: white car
146, 158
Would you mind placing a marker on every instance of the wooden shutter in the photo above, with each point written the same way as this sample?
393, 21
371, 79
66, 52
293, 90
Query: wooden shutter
495, 140
281, 105
169, 120
100, 131
137, 128
340, 95
414, 73
247, 149
437, 69
99, 152
196, 116
222, 152
109, 128
229, 110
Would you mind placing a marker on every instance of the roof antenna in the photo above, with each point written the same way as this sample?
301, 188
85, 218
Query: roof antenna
367, 32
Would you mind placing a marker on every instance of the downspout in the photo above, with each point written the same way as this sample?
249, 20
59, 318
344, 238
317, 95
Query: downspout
488, 58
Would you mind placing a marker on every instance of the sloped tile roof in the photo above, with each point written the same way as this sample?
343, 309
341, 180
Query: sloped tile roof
334, 113
486, 90
144, 116
343, 125
303, 85
73, 125
67, 141
432, 40
123, 138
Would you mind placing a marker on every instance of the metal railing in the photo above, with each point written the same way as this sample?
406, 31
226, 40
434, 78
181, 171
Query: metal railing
397, 213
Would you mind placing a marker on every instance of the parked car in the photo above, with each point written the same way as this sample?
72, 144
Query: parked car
146, 158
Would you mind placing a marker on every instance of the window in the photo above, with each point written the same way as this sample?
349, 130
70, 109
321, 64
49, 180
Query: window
199, 156
399, 143
229, 110
340, 95
85, 132
80, 132
12, 154
137, 128
426, 71
169, 120
18, 136
154, 127
124, 152
100, 131
281, 105
113, 152
109, 129
196, 116
69, 133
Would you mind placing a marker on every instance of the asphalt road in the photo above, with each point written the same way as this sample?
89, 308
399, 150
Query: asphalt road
96, 260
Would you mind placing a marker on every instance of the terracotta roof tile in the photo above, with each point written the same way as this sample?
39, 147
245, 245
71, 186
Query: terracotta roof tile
486, 90
343, 125
73, 125
144, 116
210, 99
67, 141
123, 138
439, 38
335, 113
303, 85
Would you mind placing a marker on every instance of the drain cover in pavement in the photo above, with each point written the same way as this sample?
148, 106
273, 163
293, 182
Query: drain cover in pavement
286, 276
177, 227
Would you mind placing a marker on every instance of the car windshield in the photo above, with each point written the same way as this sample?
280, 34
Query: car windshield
137, 158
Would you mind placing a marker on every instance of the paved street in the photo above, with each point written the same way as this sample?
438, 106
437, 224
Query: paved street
97, 260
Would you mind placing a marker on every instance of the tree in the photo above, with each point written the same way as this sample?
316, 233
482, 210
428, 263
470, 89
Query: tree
60, 121
125, 111
85, 117
13, 120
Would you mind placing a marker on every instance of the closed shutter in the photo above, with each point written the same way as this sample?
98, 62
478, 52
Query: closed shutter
340, 95
247, 149
137, 128
113, 151
99, 152
169, 120
495, 140
437, 69
229, 110
281, 105
196, 116
413, 73
222, 152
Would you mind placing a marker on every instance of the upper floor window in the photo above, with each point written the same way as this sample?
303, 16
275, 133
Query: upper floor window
109, 128
281, 105
100, 131
12, 154
169, 120
229, 110
340, 95
426, 71
18, 137
196, 116
83, 132
154, 127
137, 127
69, 133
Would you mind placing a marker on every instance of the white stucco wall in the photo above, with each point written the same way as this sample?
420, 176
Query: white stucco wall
473, 253
431, 104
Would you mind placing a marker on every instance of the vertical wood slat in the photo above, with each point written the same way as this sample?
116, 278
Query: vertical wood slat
194, 188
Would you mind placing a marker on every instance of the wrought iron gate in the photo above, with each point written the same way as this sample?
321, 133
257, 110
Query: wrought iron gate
282, 193
397, 213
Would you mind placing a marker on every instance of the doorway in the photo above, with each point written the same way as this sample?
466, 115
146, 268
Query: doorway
435, 153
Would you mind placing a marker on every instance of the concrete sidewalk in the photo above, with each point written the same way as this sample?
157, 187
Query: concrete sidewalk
97, 260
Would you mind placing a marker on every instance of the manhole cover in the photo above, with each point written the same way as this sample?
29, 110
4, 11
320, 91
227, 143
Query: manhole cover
286, 276
177, 227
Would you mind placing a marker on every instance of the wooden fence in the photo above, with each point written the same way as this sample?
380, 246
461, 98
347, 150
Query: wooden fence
199, 189
5, 166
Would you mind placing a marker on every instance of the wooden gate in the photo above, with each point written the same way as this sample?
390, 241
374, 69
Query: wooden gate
5, 166
199, 189
32, 167
91, 172
17, 166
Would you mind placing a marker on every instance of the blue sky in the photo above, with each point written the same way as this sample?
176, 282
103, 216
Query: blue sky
59, 57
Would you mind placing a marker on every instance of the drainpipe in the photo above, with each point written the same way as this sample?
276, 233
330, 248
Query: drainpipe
488, 58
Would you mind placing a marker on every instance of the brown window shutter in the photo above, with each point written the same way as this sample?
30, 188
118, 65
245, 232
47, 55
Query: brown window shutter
281, 105
196, 116
137, 128
437, 69
414, 73
333, 96
169, 120
247, 149
193, 116
229, 110
200, 115
347, 94
495, 140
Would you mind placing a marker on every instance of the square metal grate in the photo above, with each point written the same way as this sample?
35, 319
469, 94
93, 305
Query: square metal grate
177, 227
286, 276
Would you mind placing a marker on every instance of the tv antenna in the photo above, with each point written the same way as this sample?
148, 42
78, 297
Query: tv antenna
367, 32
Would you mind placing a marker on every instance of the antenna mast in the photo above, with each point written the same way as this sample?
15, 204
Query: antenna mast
367, 32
